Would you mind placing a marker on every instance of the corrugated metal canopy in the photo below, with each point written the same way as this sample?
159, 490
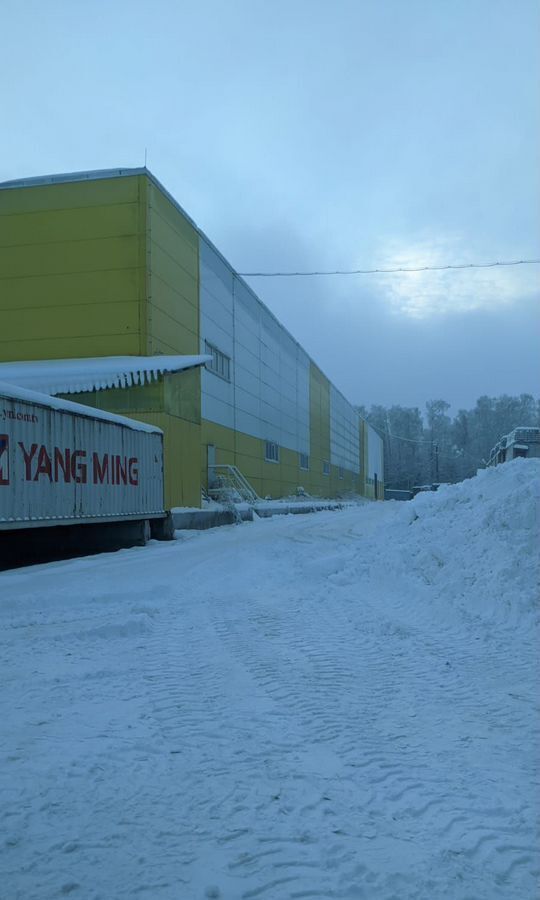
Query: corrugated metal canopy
73, 376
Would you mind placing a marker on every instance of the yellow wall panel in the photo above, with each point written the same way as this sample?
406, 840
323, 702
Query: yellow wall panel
70, 256
169, 336
72, 280
173, 274
166, 218
143, 398
36, 292
172, 278
69, 195
182, 395
67, 348
59, 225
174, 235
173, 303
87, 320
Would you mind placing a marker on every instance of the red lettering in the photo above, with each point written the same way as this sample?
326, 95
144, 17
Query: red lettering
100, 470
78, 469
66, 465
44, 464
28, 457
63, 463
121, 470
133, 470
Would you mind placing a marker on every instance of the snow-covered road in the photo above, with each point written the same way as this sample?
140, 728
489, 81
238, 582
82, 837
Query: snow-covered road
338, 705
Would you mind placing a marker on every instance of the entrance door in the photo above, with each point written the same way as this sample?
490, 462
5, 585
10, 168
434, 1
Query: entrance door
210, 461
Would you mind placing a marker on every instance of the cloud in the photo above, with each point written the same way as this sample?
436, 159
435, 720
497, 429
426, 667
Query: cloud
423, 295
453, 335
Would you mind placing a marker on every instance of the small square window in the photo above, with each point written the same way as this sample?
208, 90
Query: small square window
341, 472
220, 364
326, 467
304, 461
271, 453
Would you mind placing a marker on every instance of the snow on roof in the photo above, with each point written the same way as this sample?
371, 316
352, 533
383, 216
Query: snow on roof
524, 433
14, 392
73, 376
65, 177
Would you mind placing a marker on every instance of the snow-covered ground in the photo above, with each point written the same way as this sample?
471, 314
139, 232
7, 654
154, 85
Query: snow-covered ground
338, 705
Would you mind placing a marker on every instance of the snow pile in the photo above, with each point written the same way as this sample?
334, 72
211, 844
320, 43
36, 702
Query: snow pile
472, 546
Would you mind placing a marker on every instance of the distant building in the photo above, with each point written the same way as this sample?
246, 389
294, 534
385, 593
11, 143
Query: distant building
396, 494
520, 442
97, 267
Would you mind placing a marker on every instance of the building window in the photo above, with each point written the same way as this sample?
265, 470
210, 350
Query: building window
304, 461
220, 364
326, 467
271, 453
341, 473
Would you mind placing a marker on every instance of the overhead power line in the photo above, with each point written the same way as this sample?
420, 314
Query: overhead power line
430, 442
398, 437
488, 265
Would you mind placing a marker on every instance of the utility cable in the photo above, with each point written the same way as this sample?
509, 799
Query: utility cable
433, 442
488, 265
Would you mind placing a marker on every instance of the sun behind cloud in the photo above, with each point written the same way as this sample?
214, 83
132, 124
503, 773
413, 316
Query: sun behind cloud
423, 294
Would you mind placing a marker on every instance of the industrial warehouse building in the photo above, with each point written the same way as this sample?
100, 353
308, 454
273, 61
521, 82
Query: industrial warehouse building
122, 303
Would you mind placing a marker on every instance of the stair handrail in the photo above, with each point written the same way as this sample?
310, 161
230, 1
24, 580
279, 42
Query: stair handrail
237, 481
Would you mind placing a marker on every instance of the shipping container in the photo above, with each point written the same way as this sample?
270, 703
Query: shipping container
62, 463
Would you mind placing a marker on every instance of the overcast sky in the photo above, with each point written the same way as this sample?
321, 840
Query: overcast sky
302, 134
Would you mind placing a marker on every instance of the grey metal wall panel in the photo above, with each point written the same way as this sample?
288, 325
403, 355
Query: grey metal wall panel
344, 433
269, 394
375, 464
57, 466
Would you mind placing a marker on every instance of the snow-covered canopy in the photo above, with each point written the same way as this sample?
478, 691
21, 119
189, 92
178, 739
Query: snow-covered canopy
72, 376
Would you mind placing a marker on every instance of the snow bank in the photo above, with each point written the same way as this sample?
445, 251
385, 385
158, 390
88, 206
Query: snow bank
472, 546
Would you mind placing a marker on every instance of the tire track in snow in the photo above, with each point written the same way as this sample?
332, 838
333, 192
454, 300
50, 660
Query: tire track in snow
311, 682
220, 749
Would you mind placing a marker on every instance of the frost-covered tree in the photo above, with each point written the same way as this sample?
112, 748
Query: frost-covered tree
439, 448
439, 427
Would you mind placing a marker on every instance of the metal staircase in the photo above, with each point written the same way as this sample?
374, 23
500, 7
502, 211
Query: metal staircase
226, 484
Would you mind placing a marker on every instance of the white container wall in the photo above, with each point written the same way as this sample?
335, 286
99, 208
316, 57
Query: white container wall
61, 464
